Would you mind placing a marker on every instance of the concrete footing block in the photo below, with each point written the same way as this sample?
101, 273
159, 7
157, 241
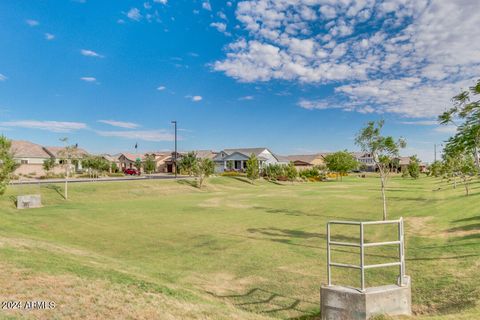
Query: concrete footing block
29, 201
342, 303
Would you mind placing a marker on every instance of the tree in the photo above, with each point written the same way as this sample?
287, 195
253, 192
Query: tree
188, 163
435, 169
149, 164
253, 170
138, 165
95, 165
204, 169
414, 167
383, 150
466, 109
459, 164
7, 163
467, 170
341, 162
291, 172
68, 153
48, 165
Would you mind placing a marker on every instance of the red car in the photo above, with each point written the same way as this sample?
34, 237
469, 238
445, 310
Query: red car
131, 172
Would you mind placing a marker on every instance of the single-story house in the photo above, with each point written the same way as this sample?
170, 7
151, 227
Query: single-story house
306, 161
31, 157
58, 153
403, 163
128, 160
236, 159
160, 158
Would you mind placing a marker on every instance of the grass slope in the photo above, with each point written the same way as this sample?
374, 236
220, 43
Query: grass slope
163, 249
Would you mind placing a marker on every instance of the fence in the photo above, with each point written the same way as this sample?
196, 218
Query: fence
362, 245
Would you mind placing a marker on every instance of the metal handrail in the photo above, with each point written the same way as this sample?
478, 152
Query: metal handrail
362, 245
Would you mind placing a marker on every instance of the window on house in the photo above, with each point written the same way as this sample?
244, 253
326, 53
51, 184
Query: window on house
23, 161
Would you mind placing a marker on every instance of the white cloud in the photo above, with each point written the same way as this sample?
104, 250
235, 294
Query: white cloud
314, 104
120, 124
32, 23
206, 5
3, 77
161, 1
89, 79
161, 88
196, 98
246, 98
421, 123
328, 12
220, 26
410, 60
53, 126
450, 129
145, 135
49, 36
134, 14
90, 53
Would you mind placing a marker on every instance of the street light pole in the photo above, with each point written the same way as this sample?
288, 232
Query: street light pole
175, 154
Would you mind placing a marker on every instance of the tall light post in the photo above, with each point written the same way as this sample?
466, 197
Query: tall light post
175, 153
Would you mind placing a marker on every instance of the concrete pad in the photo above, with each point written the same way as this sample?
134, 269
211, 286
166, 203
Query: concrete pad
342, 303
29, 201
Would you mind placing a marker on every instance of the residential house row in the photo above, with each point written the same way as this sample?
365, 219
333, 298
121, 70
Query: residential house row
31, 157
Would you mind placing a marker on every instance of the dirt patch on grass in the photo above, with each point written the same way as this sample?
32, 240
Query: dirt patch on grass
421, 226
77, 298
223, 283
211, 203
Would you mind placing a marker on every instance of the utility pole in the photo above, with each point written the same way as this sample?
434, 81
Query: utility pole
435, 152
175, 154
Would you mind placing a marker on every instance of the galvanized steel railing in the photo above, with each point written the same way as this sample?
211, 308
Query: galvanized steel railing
362, 245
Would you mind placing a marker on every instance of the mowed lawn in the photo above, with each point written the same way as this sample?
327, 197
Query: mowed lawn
166, 250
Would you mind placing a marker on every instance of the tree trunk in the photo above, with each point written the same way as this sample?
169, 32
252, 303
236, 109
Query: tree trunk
384, 198
465, 182
477, 160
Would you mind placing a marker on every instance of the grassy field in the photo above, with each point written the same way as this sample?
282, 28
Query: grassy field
166, 250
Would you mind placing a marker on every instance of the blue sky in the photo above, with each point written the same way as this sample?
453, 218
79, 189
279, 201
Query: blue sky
297, 76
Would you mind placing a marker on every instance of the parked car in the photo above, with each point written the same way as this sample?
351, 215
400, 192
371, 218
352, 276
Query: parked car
131, 172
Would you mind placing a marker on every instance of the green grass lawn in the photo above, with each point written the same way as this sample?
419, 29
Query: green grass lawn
165, 250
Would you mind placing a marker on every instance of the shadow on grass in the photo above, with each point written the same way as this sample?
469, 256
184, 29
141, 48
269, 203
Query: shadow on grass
273, 304
190, 183
468, 219
468, 227
14, 200
55, 188
242, 179
275, 232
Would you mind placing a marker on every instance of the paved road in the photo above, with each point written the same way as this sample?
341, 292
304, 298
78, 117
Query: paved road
79, 180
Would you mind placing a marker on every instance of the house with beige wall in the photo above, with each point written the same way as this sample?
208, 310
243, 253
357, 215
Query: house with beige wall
306, 161
30, 157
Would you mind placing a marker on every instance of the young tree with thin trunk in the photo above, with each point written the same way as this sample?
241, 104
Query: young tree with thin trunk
204, 169
382, 149
414, 167
49, 165
67, 155
7, 163
291, 172
253, 170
